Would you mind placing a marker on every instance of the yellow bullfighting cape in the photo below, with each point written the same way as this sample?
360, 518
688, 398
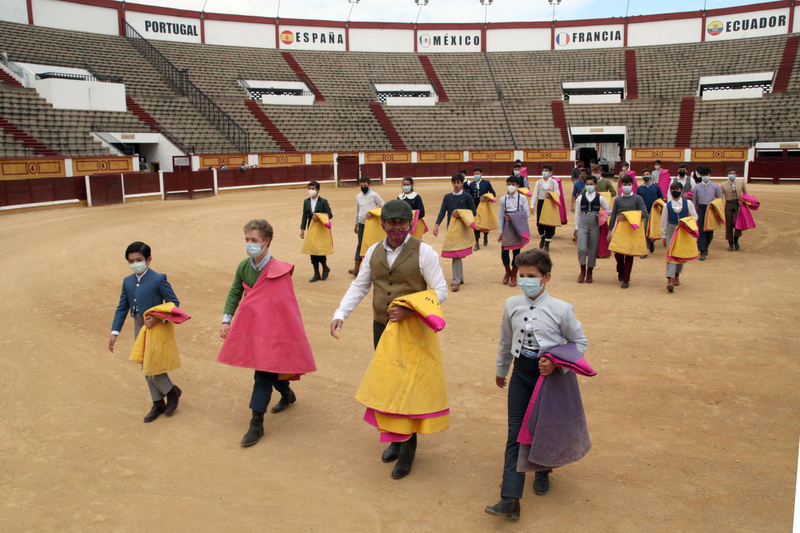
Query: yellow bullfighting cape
155, 348
418, 227
486, 219
459, 239
628, 238
319, 239
715, 215
373, 231
654, 220
683, 246
404, 389
551, 216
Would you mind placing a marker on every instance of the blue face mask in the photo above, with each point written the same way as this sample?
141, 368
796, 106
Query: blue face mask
530, 286
705, 178
590, 189
627, 189
253, 249
406, 189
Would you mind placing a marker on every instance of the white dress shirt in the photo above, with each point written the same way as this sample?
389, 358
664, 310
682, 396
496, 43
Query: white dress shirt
428, 266
543, 186
589, 197
313, 202
512, 203
676, 206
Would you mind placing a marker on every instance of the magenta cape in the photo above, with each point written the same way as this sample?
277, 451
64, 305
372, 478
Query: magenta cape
562, 205
664, 181
635, 185
554, 431
267, 333
744, 220
603, 241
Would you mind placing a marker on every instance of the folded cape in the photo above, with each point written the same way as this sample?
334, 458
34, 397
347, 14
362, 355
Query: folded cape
373, 231
562, 205
683, 246
715, 215
319, 239
404, 388
516, 232
486, 218
629, 235
418, 227
554, 431
460, 239
744, 220
654, 220
155, 348
603, 239
550, 215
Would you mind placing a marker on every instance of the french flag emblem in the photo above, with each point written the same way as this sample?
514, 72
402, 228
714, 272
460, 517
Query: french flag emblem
562, 39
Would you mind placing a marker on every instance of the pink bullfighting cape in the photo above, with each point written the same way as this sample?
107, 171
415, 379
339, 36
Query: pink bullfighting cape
744, 220
267, 332
554, 431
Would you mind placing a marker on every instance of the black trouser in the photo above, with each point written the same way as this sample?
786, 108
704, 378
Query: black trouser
477, 233
377, 331
731, 213
506, 256
317, 260
544, 231
360, 238
262, 389
705, 238
520, 389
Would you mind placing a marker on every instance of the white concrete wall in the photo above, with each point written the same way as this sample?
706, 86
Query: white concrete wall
76, 17
433, 41
768, 22
311, 38
160, 153
240, 34
14, 11
588, 37
400, 101
578, 99
89, 95
733, 94
665, 32
164, 27
379, 40
518, 39
280, 99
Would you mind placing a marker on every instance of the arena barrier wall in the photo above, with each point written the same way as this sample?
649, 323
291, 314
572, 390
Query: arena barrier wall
35, 192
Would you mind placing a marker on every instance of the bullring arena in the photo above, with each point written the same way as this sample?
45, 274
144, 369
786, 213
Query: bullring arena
692, 413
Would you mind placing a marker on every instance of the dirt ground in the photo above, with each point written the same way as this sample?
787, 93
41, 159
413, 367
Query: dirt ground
693, 412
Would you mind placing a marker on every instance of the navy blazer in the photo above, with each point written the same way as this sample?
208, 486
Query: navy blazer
139, 296
479, 189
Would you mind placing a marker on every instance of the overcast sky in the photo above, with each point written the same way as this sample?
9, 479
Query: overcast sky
445, 10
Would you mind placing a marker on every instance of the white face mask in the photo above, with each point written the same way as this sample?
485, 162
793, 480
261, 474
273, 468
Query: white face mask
598, 177
253, 249
406, 189
138, 268
511, 189
312, 192
545, 174
516, 172
732, 177
627, 189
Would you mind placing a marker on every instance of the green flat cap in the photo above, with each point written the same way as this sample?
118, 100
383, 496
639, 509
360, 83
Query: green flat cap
396, 209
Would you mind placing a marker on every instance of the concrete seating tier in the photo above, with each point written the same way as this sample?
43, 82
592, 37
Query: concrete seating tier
464, 76
773, 118
10, 147
650, 124
532, 124
260, 141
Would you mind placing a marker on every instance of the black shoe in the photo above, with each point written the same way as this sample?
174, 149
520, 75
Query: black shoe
485, 240
506, 507
541, 483
625, 285
285, 402
405, 459
541, 243
325, 272
315, 278
391, 453
703, 256
736, 244
256, 430
172, 400
651, 246
619, 276
155, 412
547, 246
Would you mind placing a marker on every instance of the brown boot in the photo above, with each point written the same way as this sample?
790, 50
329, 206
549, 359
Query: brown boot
356, 268
676, 280
508, 274
582, 277
670, 285
589, 275
513, 281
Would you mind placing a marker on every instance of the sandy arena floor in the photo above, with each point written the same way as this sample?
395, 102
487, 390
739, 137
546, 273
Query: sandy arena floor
693, 413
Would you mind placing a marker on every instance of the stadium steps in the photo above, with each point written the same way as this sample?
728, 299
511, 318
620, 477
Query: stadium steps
152, 123
388, 127
431, 73
8, 79
295, 66
29, 141
685, 122
270, 126
786, 65
631, 77
560, 120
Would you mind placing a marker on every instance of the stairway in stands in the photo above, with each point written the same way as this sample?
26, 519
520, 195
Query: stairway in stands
388, 127
786, 65
270, 126
685, 123
560, 120
31, 142
8, 79
631, 77
295, 66
141, 114
431, 73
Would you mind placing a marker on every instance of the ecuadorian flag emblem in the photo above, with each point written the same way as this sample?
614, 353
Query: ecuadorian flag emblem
715, 28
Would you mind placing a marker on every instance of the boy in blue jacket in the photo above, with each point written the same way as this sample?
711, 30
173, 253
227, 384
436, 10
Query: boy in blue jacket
142, 290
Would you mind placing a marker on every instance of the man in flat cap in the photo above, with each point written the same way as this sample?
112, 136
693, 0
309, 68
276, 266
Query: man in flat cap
397, 266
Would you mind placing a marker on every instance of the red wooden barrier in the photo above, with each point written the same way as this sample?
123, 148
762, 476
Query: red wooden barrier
137, 183
106, 189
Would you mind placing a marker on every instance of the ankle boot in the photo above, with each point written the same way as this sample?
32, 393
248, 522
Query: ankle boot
284, 402
513, 280
508, 274
155, 412
736, 243
730, 246
486, 239
316, 276
589, 275
325, 270
582, 276
405, 459
172, 400
391, 453
256, 430
355, 269
547, 246
676, 280
506, 507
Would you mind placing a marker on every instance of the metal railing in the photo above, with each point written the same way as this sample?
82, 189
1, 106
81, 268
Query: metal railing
500, 97
179, 79
101, 77
77, 77
13, 67
102, 131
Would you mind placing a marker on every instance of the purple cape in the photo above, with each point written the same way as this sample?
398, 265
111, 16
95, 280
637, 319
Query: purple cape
516, 233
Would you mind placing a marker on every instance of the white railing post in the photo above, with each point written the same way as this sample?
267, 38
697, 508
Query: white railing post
216, 184
161, 182
383, 172
88, 192
336, 168
122, 182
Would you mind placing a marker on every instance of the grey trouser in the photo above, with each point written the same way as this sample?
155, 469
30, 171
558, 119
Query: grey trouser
672, 268
458, 271
588, 239
159, 385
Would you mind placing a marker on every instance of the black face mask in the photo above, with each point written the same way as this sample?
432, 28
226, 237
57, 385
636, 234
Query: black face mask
682, 173
365, 190
646, 178
676, 194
